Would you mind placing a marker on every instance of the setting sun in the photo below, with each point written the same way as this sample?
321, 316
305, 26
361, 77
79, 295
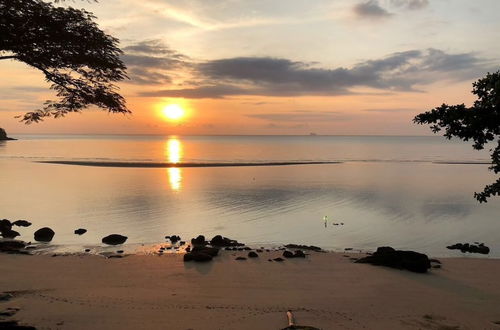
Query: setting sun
173, 112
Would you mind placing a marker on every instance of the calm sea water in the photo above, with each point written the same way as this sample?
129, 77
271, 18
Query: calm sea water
407, 192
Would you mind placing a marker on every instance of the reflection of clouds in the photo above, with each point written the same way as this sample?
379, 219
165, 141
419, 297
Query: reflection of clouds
450, 209
174, 156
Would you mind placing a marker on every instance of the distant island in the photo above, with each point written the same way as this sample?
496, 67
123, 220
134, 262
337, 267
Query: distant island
3, 135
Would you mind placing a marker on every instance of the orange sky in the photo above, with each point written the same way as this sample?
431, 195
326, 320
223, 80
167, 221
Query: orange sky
286, 67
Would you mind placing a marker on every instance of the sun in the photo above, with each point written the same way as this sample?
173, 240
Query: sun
173, 112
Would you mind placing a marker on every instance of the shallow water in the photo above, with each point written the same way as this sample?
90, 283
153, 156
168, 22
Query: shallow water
397, 191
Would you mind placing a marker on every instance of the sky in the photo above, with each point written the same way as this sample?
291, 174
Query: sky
338, 67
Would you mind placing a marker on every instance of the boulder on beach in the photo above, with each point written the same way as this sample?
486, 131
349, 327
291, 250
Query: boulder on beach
288, 254
200, 240
5, 225
114, 239
21, 223
252, 254
9, 233
218, 240
471, 248
80, 231
3, 135
44, 234
201, 253
389, 257
12, 246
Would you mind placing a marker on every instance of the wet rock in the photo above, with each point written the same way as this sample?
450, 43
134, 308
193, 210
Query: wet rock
259, 250
87, 250
218, 240
206, 250
435, 261
198, 257
14, 325
304, 247
44, 234
80, 231
252, 254
200, 240
5, 225
181, 243
9, 233
12, 246
246, 248
21, 223
120, 251
114, 239
299, 254
279, 259
471, 248
288, 254
174, 238
115, 256
389, 257
5, 296
240, 258
348, 249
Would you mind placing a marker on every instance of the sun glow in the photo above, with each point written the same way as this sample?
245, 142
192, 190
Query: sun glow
173, 112
173, 151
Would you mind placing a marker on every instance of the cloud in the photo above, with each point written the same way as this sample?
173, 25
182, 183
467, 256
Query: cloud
268, 76
301, 116
371, 9
150, 62
410, 4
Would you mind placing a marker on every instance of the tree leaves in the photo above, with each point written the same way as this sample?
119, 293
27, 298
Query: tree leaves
479, 123
79, 60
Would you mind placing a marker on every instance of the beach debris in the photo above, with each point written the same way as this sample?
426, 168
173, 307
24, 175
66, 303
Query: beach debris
218, 240
471, 248
304, 247
240, 258
80, 231
21, 223
200, 240
44, 234
252, 254
114, 239
389, 257
292, 325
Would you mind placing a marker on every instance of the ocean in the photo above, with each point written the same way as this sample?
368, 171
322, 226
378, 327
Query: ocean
406, 192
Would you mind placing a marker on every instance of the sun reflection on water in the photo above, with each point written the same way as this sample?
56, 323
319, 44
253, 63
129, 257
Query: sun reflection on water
174, 155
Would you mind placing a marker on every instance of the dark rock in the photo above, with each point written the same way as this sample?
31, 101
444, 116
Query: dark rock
246, 248
200, 240
87, 250
299, 254
119, 251
5, 296
435, 261
181, 243
288, 254
241, 258
279, 259
206, 250
114, 239
44, 234
3, 135
260, 250
271, 260
304, 247
115, 256
9, 233
21, 223
11, 246
389, 257
5, 225
198, 257
80, 231
471, 248
436, 266
218, 240
252, 254
14, 325
174, 238
347, 249
188, 249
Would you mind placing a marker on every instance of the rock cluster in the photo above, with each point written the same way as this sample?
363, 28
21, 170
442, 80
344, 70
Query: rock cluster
201, 253
471, 248
218, 240
304, 247
297, 254
389, 257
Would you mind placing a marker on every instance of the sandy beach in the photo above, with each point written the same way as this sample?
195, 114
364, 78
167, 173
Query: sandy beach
325, 290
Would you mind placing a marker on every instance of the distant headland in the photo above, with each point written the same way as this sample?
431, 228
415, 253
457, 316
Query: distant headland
3, 135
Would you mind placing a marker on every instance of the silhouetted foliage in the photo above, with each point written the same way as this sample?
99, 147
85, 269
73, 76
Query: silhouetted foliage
79, 60
479, 123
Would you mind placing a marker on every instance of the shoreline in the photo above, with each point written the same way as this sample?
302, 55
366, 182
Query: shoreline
324, 290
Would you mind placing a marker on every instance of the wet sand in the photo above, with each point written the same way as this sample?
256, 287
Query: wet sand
325, 290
